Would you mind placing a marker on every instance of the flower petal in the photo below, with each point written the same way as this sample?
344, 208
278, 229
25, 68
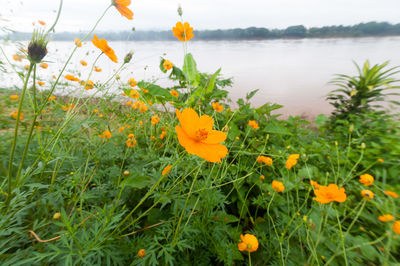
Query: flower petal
215, 137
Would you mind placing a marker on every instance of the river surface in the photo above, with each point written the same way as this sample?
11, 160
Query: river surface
294, 73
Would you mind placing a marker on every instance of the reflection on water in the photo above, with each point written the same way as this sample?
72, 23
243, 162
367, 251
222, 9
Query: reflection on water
293, 73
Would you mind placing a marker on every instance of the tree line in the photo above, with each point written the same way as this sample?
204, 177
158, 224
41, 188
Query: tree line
251, 33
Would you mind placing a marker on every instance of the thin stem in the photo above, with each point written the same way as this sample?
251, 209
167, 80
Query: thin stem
58, 16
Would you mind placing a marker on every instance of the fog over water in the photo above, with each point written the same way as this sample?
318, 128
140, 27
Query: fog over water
293, 73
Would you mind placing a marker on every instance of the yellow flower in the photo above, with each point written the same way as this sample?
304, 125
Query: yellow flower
78, 42
366, 179
68, 106
386, 218
167, 65
83, 63
217, 107
132, 82
249, 243
264, 159
43, 65
14, 97
396, 227
167, 170
278, 186
57, 216
103, 46
391, 194
326, 194
105, 135
141, 106
196, 135
367, 194
141, 253
174, 93
253, 124
183, 31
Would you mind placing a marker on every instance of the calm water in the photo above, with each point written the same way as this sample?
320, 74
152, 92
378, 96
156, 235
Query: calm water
293, 73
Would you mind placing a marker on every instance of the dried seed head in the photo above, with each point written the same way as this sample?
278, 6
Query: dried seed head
128, 57
37, 47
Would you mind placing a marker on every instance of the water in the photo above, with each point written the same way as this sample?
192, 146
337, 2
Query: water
293, 73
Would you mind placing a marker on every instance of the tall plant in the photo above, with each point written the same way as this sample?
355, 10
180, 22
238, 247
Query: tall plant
364, 92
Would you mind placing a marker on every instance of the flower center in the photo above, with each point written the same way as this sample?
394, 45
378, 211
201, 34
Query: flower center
248, 246
201, 134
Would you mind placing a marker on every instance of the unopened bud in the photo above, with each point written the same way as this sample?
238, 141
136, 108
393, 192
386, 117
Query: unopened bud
37, 47
128, 57
351, 128
180, 12
57, 216
126, 172
363, 146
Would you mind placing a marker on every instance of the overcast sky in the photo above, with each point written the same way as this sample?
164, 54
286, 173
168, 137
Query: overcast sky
201, 14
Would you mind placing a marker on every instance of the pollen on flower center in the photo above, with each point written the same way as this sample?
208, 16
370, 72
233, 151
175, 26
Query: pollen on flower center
201, 134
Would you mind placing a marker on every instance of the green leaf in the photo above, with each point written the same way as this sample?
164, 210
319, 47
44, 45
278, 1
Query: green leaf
277, 129
137, 181
251, 94
321, 120
190, 70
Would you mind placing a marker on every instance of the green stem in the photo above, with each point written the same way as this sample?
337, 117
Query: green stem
58, 16
10, 163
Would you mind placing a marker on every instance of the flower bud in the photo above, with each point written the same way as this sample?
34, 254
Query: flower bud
126, 172
128, 57
180, 12
351, 128
363, 146
56, 216
37, 47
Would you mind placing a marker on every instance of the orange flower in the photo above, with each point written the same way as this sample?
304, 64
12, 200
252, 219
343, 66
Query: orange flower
262, 177
78, 42
278, 186
155, 119
132, 82
367, 194
14, 97
380, 160
122, 7
26, 67
121, 129
97, 69
217, 107
43, 65
391, 194
386, 218
396, 227
88, 85
141, 253
41, 22
103, 46
83, 63
292, 160
197, 136
326, 194
51, 98
183, 31
314, 184
264, 159
163, 133
134, 94
167, 170
249, 243
253, 124
174, 93
68, 106
105, 135
14, 115
366, 179
71, 78
40, 83
167, 65
141, 106
131, 141
18, 57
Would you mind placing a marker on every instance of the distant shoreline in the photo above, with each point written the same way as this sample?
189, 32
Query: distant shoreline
361, 30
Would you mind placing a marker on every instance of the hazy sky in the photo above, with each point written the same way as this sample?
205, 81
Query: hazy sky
201, 14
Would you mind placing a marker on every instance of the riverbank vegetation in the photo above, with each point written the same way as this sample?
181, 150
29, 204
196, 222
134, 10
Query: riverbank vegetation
369, 29
175, 176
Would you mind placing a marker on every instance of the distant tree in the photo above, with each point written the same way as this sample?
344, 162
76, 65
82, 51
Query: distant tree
298, 31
